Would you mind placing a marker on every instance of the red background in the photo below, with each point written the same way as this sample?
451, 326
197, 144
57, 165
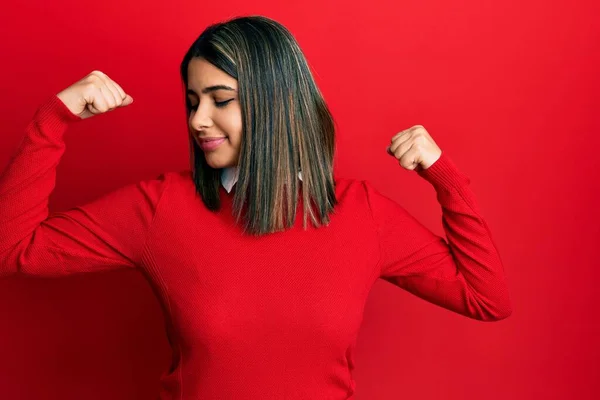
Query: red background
509, 89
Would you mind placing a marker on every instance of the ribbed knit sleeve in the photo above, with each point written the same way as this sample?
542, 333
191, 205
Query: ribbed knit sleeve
462, 272
107, 233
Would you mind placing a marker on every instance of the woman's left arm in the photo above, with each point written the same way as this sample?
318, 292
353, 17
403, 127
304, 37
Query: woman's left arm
463, 273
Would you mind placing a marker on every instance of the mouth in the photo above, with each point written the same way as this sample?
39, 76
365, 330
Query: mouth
211, 143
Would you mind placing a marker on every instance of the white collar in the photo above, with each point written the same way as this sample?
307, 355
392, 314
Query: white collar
229, 177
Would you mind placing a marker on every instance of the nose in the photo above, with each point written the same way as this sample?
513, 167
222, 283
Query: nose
201, 119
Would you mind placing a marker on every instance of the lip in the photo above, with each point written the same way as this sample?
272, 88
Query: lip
210, 143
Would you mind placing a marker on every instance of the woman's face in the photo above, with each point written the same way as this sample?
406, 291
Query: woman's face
215, 114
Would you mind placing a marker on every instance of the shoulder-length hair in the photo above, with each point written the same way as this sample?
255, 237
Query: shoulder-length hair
286, 127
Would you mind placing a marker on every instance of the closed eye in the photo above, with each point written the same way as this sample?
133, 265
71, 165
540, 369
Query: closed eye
222, 103
218, 104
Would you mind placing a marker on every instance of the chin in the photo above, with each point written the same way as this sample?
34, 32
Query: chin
216, 162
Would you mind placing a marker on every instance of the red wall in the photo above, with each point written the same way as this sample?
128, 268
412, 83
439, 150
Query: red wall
509, 89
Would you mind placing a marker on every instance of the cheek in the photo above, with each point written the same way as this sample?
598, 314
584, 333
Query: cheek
235, 136
232, 125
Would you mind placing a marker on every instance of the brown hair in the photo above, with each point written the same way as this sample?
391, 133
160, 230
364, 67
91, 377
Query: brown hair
287, 127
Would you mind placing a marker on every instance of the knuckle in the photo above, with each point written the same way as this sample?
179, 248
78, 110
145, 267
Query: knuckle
91, 87
94, 80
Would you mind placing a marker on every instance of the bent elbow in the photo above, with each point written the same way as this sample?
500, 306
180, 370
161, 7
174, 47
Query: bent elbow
498, 313
505, 313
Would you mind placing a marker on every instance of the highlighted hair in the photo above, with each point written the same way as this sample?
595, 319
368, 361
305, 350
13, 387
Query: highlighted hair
287, 127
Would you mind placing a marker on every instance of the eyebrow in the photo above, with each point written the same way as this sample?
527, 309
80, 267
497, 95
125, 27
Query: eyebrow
212, 89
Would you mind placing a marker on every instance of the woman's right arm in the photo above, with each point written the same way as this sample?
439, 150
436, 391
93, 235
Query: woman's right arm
107, 233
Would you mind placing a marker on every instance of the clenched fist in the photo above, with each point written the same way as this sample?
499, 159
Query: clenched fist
414, 148
94, 94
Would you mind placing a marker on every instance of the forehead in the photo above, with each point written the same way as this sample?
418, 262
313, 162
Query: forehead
202, 74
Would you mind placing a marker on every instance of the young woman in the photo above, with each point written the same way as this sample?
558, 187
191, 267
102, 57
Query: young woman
261, 259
